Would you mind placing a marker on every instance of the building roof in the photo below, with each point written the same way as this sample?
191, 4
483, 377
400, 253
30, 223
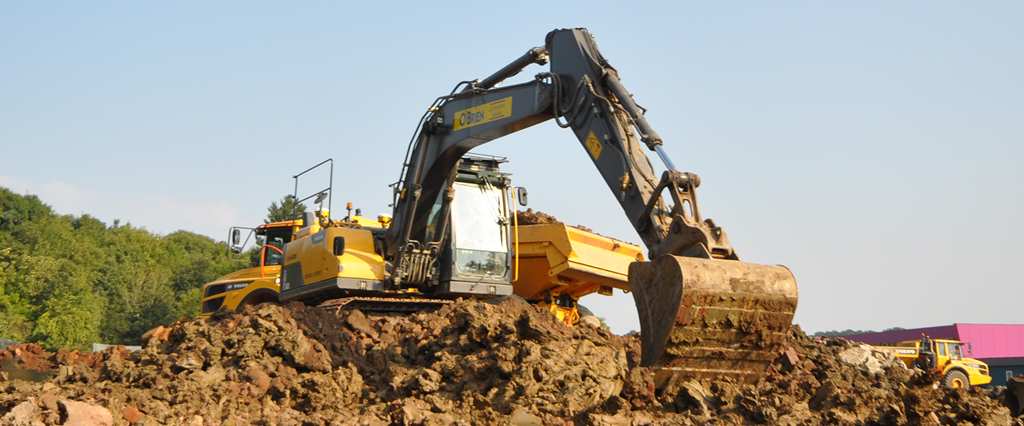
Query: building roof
984, 340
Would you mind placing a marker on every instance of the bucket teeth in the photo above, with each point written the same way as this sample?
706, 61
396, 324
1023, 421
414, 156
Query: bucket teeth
711, 318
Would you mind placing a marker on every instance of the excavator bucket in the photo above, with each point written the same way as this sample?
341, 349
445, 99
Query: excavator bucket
711, 318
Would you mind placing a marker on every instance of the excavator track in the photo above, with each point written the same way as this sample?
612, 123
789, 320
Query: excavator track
703, 318
383, 304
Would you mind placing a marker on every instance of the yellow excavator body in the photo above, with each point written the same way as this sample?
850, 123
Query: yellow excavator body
314, 250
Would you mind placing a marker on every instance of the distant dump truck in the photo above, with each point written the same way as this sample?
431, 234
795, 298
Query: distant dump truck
944, 357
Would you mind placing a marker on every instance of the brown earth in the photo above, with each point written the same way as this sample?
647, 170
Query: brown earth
530, 217
468, 363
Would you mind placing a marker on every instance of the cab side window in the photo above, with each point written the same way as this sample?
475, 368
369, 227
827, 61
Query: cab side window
955, 350
271, 256
941, 348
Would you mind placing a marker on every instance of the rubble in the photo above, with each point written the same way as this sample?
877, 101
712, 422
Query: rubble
530, 217
467, 363
871, 360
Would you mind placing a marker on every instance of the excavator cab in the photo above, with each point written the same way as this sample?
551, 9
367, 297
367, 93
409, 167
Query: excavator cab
478, 257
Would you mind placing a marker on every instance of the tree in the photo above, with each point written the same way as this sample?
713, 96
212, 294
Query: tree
287, 210
68, 281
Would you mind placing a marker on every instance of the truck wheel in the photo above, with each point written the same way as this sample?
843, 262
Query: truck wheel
956, 379
257, 298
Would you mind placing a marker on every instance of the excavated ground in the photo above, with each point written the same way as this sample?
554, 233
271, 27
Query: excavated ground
468, 363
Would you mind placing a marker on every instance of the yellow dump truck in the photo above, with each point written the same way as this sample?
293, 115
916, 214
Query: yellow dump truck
259, 283
944, 357
556, 264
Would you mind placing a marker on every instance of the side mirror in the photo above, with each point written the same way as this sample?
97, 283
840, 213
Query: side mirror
339, 246
521, 196
235, 236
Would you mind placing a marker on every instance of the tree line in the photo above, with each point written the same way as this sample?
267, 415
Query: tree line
850, 332
69, 281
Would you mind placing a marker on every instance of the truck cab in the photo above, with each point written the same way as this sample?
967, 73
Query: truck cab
258, 283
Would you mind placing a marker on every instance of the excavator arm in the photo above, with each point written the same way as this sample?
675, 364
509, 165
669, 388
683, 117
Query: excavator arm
702, 311
583, 92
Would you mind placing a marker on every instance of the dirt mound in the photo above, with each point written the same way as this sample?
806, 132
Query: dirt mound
467, 363
530, 217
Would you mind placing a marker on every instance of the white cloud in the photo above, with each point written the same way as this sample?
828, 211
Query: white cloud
63, 197
164, 214
16, 185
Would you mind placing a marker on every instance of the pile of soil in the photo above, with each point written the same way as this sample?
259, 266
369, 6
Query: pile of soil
530, 217
468, 363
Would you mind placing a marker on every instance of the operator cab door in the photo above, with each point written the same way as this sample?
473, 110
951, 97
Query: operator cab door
477, 259
480, 232
956, 351
941, 356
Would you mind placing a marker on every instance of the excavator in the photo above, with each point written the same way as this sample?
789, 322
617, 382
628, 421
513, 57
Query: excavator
453, 233
554, 264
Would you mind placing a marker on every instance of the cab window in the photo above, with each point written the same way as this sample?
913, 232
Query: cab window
271, 256
275, 236
479, 213
955, 350
941, 348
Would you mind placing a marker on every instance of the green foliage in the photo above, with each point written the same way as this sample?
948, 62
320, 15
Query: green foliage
287, 210
70, 281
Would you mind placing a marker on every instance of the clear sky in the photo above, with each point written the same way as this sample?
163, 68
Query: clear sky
874, 148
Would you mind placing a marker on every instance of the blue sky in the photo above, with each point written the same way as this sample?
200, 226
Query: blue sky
874, 148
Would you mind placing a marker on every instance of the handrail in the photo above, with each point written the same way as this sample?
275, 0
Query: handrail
515, 231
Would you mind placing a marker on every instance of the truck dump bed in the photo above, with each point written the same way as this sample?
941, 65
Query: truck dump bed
563, 259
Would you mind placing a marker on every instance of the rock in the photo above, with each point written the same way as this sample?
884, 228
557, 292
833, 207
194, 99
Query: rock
302, 351
131, 414
49, 402
1015, 395
24, 414
258, 377
84, 414
522, 417
156, 335
359, 323
790, 357
862, 356
414, 411
424, 380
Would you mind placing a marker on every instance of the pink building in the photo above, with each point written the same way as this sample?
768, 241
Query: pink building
1001, 346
